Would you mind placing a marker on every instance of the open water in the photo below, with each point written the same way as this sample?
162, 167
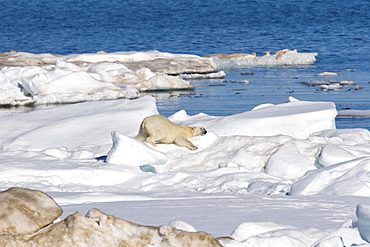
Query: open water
337, 30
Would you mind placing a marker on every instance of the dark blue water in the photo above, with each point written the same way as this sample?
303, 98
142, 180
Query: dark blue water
338, 30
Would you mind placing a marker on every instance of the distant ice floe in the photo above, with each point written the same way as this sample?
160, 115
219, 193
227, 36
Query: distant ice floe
280, 58
28, 78
332, 84
33, 79
327, 73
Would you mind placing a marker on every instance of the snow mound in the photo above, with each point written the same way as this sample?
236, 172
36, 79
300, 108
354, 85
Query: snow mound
129, 151
73, 145
298, 119
74, 126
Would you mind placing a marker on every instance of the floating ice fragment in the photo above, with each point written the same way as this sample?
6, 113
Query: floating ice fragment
327, 73
331, 87
215, 75
244, 82
357, 88
315, 82
347, 83
282, 57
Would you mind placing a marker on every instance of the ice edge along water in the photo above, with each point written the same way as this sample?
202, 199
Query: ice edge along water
48, 79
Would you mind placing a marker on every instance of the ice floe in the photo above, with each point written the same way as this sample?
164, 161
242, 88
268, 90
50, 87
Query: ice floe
280, 58
34, 79
48, 79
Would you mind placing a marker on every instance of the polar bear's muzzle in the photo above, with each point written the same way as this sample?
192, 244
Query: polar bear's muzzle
203, 131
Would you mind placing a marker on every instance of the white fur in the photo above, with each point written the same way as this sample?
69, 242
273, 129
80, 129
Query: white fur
158, 129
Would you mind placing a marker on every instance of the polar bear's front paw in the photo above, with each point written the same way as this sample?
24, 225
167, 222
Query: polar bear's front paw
192, 147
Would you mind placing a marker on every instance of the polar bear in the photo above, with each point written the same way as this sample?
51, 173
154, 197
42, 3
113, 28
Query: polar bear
159, 129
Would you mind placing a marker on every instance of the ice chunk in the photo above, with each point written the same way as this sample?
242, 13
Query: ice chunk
249, 229
29, 87
132, 152
335, 241
332, 154
343, 179
278, 241
181, 225
363, 218
75, 82
283, 57
327, 73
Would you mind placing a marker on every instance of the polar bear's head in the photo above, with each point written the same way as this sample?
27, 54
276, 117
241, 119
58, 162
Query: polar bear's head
198, 131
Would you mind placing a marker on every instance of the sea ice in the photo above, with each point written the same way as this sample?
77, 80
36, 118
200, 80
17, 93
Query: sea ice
65, 150
92, 77
283, 57
49, 79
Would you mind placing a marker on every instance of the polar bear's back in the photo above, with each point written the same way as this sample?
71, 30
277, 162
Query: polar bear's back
163, 129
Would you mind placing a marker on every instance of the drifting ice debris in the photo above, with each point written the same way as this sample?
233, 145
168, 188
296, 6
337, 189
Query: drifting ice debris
331, 87
216, 75
314, 83
244, 82
327, 73
247, 73
347, 83
357, 88
325, 84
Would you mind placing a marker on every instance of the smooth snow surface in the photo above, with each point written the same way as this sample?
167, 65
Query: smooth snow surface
84, 155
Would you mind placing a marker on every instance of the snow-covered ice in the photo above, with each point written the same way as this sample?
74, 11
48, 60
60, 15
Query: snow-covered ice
281, 170
49, 79
282, 57
278, 175
34, 79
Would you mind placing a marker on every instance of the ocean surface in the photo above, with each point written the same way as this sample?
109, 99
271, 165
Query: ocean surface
337, 30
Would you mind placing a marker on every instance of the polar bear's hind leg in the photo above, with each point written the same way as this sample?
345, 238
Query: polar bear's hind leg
151, 140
